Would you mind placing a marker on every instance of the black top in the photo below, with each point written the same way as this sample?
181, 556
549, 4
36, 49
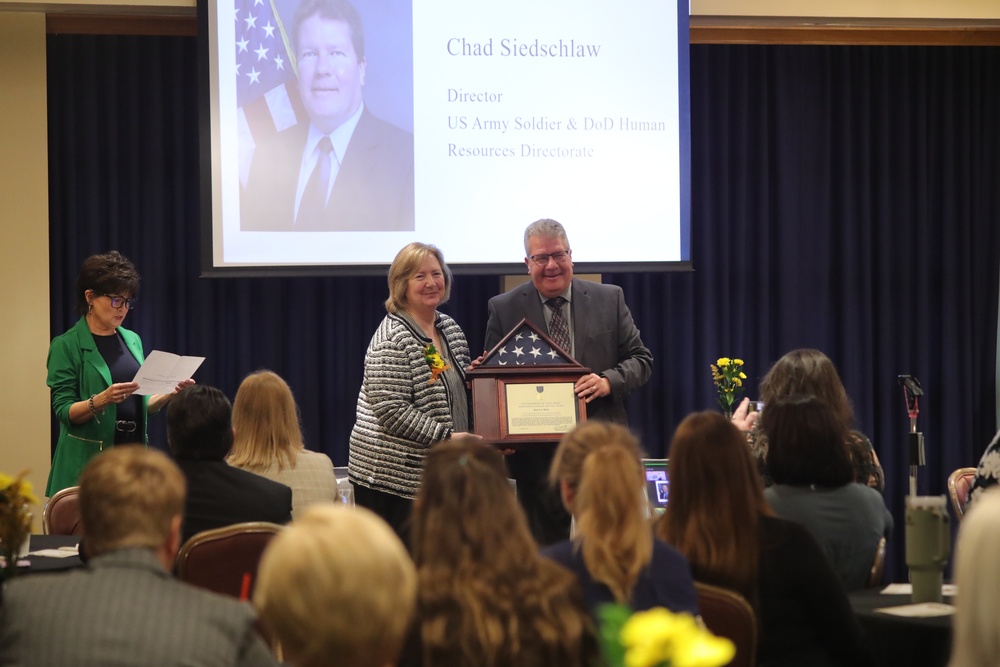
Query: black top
123, 367
803, 614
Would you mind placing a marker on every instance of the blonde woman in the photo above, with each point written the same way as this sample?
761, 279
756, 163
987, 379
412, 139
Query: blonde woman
976, 620
337, 587
598, 470
268, 441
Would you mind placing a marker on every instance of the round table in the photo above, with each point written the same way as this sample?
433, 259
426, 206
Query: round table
47, 563
902, 640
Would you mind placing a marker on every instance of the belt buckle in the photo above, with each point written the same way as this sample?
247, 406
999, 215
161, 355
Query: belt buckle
125, 426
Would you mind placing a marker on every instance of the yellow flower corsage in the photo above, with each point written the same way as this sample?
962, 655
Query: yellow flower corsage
436, 363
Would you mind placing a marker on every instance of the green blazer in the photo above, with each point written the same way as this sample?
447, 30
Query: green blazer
76, 372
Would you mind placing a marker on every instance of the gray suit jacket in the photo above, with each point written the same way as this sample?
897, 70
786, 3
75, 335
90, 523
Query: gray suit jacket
124, 609
605, 337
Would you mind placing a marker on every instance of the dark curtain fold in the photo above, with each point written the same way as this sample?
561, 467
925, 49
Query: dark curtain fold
844, 198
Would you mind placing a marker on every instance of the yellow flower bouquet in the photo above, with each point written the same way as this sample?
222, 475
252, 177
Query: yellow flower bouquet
659, 638
16, 497
728, 376
434, 360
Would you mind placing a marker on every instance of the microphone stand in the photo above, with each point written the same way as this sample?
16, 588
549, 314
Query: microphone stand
912, 392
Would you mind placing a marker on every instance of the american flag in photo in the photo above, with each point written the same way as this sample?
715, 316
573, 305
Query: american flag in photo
266, 91
527, 348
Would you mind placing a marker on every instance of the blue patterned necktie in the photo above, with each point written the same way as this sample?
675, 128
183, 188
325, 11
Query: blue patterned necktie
558, 329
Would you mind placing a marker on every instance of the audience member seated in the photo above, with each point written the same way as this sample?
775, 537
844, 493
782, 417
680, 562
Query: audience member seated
814, 485
613, 553
200, 434
987, 472
977, 615
718, 518
124, 608
485, 596
337, 587
267, 441
806, 372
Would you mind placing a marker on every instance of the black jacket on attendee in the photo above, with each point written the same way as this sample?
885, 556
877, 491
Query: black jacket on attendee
220, 495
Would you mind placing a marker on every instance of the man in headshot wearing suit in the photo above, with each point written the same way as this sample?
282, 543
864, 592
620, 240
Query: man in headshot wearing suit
344, 169
592, 322
124, 607
200, 435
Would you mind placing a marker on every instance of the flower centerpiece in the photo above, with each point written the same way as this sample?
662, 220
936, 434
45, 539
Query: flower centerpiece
728, 376
16, 498
659, 638
434, 360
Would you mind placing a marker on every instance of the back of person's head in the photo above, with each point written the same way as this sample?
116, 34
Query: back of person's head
807, 443
805, 372
129, 497
977, 618
486, 595
600, 464
466, 515
337, 586
716, 500
546, 228
266, 423
199, 424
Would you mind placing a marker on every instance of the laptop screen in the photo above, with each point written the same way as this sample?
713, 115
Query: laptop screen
657, 483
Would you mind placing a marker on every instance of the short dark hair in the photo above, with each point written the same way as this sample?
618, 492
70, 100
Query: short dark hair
807, 443
200, 424
107, 273
331, 10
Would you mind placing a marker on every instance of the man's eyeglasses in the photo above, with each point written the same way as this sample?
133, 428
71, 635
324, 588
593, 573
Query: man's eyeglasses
119, 301
542, 260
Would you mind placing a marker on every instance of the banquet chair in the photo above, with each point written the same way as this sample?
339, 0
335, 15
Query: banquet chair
959, 483
224, 560
878, 566
61, 515
727, 614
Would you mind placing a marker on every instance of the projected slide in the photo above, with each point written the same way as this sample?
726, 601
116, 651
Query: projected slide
338, 132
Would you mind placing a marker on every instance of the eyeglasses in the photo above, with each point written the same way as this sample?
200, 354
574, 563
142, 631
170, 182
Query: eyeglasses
542, 260
119, 301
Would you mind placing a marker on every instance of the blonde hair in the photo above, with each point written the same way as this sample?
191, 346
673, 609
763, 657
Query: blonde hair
337, 585
977, 623
600, 462
405, 265
266, 424
129, 496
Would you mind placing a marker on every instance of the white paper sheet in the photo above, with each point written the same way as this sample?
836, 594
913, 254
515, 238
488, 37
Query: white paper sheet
162, 371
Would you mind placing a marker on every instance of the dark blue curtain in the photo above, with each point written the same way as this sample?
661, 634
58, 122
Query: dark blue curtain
844, 198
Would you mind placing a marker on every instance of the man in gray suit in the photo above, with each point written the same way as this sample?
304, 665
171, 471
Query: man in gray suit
601, 335
125, 608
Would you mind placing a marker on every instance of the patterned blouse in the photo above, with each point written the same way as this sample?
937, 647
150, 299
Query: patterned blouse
988, 471
401, 411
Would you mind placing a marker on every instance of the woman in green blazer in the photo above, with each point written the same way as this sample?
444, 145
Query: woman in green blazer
90, 371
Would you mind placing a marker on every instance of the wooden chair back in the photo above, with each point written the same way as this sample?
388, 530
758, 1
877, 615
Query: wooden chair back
61, 514
727, 614
224, 560
959, 483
